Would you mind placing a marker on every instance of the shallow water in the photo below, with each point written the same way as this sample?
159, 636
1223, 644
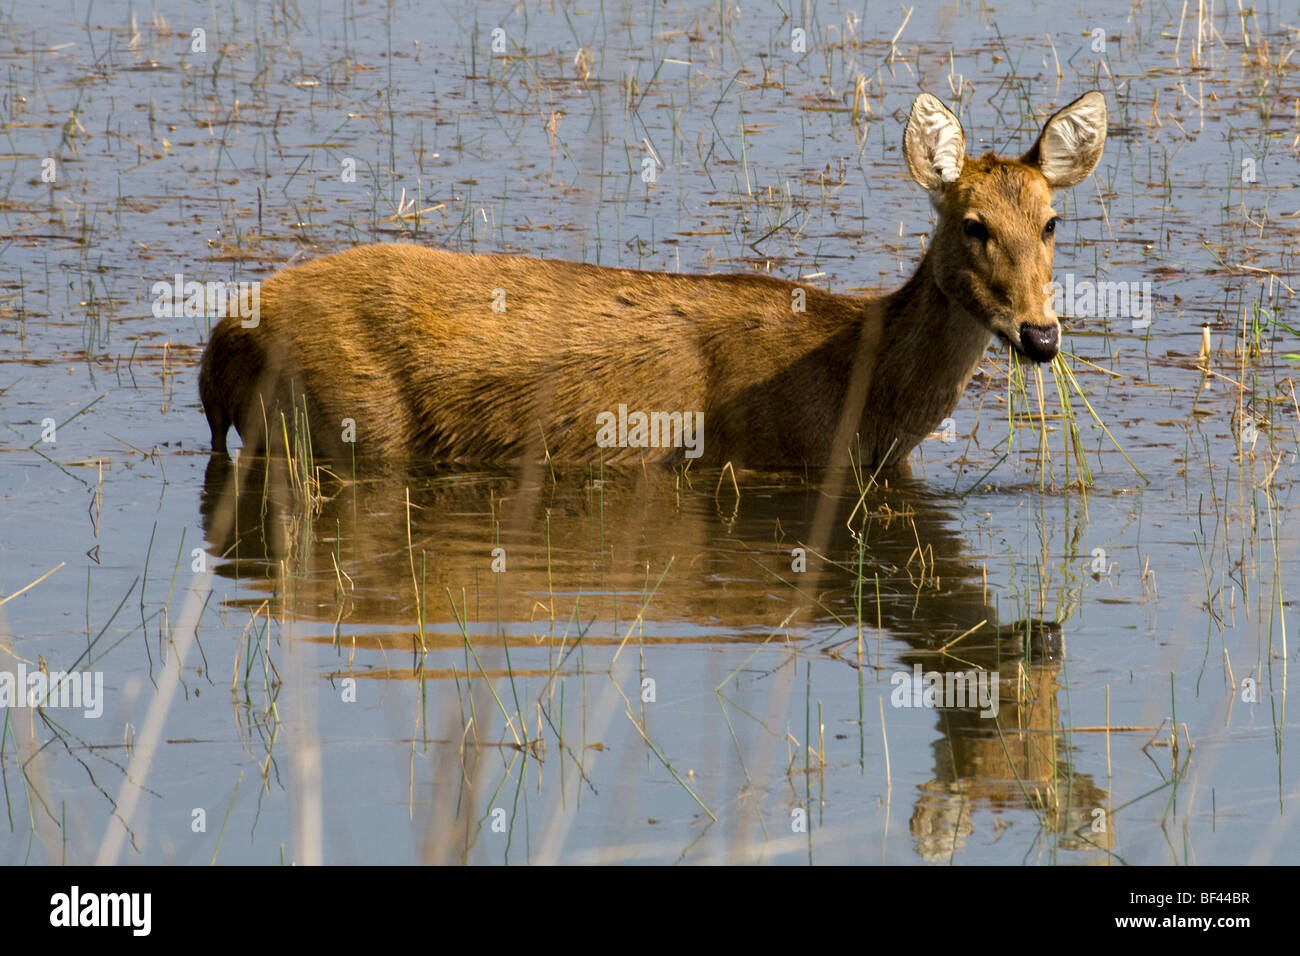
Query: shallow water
349, 680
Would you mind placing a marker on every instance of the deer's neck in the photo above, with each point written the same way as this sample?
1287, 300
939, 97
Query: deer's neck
930, 347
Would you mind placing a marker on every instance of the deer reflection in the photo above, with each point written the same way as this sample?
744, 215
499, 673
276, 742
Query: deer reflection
396, 563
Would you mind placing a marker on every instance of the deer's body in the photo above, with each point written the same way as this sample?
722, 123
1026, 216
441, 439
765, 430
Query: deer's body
404, 343
428, 371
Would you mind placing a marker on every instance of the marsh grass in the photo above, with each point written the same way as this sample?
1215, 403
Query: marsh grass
1030, 411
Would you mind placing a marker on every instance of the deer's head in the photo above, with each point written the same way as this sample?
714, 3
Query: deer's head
993, 246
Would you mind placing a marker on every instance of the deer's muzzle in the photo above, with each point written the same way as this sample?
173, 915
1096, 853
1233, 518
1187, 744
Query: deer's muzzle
1039, 342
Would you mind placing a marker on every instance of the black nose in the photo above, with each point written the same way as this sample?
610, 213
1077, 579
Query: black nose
1040, 342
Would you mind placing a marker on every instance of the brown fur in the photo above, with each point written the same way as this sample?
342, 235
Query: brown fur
403, 340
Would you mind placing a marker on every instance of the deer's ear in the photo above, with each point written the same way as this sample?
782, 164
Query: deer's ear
933, 143
1070, 145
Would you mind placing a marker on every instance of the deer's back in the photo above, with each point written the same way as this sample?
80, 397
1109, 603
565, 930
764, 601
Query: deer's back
447, 356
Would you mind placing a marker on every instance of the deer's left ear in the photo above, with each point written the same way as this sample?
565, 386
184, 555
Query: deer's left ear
1070, 145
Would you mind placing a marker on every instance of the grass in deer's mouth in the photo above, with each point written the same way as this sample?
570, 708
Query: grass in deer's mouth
1026, 411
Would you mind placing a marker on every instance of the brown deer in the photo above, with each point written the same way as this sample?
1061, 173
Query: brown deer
400, 353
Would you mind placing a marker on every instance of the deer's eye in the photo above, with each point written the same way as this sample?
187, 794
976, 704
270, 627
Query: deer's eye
1050, 229
975, 229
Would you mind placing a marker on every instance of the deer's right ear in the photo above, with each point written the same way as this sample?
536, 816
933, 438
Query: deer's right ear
1070, 145
933, 143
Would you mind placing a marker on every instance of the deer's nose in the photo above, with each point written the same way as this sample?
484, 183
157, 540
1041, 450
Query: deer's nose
1040, 342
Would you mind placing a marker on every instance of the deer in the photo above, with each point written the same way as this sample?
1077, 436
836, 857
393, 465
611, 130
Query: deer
395, 352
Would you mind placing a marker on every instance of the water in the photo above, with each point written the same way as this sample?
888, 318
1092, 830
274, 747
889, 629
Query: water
655, 675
